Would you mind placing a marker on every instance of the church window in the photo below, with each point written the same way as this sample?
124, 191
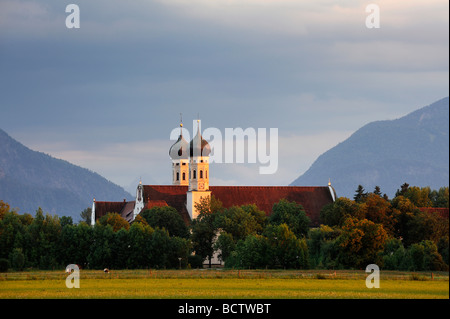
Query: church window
178, 176
184, 176
195, 174
201, 174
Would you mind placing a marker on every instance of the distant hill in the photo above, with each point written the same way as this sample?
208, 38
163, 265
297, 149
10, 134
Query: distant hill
30, 179
412, 149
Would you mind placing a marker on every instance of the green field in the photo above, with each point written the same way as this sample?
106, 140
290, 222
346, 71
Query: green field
224, 284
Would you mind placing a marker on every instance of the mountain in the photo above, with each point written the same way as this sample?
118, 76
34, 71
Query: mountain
30, 179
412, 149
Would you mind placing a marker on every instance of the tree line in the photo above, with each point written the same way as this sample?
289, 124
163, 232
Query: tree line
370, 228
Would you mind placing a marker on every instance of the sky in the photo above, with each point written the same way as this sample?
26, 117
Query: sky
107, 95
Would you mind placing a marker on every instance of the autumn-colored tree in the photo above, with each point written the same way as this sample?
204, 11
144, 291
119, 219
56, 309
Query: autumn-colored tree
115, 220
402, 213
360, 242
4, 208
378, 210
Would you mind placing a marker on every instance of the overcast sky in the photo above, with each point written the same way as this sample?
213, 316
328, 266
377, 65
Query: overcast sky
107, 95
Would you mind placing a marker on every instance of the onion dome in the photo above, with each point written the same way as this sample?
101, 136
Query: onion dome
179, 150
199, 146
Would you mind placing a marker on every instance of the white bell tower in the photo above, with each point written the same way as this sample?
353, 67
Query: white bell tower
199, 150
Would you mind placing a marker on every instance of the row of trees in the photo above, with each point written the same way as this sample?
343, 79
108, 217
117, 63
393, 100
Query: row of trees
394, 234
49, 242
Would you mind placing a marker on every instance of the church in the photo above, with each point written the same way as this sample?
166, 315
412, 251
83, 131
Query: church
190, 183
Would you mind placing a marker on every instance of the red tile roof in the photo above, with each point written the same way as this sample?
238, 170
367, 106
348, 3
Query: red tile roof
172, 195
123, 208
102, 208
155, 203
313, 199
442, 211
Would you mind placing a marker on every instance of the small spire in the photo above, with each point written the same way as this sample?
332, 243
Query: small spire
329, 182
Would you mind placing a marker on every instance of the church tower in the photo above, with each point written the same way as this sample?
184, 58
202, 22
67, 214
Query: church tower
199, 150
179, 152
139, 204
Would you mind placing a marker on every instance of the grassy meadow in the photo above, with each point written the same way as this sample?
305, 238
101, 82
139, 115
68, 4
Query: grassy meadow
223, 284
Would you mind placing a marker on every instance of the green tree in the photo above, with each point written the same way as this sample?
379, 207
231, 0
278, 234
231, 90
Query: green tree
86, 215
179, 252
440, 198
237, 222
137, 245
432, 259
425, 226
394, 255
74, 244
322, 247
12, 233
377, 191
293, 215
101, 251
17, 259
225, 244
287, 250
65, 221
168, 218
360, 194
44, 233
336, 213
203, 231
258, 215
253, 252
402, 191
160, 248
443, 248
417, 253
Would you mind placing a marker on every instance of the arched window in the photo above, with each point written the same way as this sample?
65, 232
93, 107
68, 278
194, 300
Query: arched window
201, 174
194, 174
206, 174
178, 176
184, 176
